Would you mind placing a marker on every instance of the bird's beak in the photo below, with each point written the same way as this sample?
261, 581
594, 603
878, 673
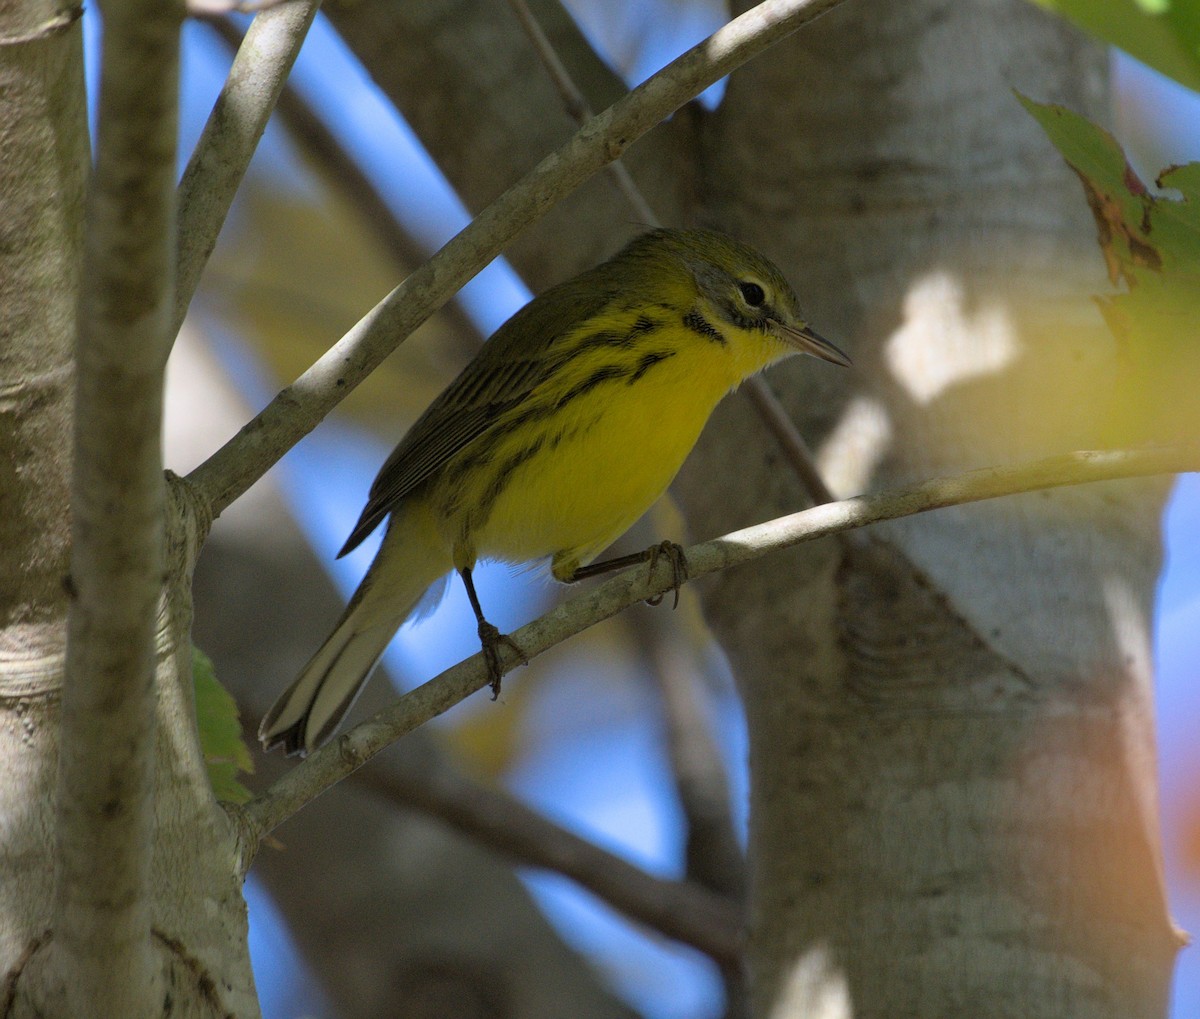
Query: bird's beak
807, 341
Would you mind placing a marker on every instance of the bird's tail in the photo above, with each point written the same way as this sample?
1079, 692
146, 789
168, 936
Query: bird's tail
409, 561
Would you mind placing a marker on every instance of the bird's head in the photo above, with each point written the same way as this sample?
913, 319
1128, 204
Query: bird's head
745, 291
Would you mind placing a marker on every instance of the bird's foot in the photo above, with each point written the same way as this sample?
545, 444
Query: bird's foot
679, 574
492, 639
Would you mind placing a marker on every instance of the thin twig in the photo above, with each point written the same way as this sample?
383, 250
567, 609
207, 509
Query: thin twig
343, 172
105, 796
791, 442
713, 857
684, 911
577, 106
231, 135
699, 779
354, 748
216, 9
300, 407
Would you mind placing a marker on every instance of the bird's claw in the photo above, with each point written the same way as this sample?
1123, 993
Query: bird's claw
491, 639
679, 575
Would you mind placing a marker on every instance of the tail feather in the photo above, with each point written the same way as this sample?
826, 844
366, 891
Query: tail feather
409, 561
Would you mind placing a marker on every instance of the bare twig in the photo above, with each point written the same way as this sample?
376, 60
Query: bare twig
102, 902
577, 107
219, 8
343, 172
355, 747
680, 910
714, 858
695, 762
231, 135
297, 409
791, 442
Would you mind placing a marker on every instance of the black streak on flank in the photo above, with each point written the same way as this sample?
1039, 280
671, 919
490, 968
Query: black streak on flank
500, 480
647, 362
598, 377
623, 341
698, 324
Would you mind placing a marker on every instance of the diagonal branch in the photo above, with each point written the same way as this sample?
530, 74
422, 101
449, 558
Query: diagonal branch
577, 107
354, 748
300, 407
102, 901
231, 135
341, 171
685, 911
714, 858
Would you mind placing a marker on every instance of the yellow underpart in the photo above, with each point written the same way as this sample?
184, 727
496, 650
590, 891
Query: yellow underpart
588, 453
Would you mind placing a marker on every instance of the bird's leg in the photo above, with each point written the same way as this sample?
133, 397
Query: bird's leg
490, 637
670, 549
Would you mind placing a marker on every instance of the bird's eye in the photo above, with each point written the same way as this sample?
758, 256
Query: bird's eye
752, 294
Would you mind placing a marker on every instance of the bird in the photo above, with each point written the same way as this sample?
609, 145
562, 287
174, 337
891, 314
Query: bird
570, 422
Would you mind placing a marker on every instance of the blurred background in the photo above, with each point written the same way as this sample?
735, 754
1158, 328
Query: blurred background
338, 205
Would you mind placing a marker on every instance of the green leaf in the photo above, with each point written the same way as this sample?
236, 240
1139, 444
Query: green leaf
1165, 34
1151, 243
225, 752
1141, 233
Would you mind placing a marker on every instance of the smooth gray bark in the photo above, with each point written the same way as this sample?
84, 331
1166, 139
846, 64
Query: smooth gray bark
112, 947
953, 789
43, 138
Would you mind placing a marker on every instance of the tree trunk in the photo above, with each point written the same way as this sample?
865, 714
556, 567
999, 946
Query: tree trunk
952, 759
43, 138
197, 935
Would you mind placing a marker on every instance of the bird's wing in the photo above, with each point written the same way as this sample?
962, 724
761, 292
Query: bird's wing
521, 354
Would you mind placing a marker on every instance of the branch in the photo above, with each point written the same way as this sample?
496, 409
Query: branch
231, 135
300, 407
102, 902
340, 171
354, 748
714, 858
462, 76
208, 9
684, 911
577, 107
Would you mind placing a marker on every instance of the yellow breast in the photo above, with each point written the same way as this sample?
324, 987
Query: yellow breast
587, 456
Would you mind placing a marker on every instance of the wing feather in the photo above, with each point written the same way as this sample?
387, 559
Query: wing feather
528, 349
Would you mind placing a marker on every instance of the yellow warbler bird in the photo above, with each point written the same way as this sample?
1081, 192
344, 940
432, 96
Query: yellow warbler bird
565, 428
